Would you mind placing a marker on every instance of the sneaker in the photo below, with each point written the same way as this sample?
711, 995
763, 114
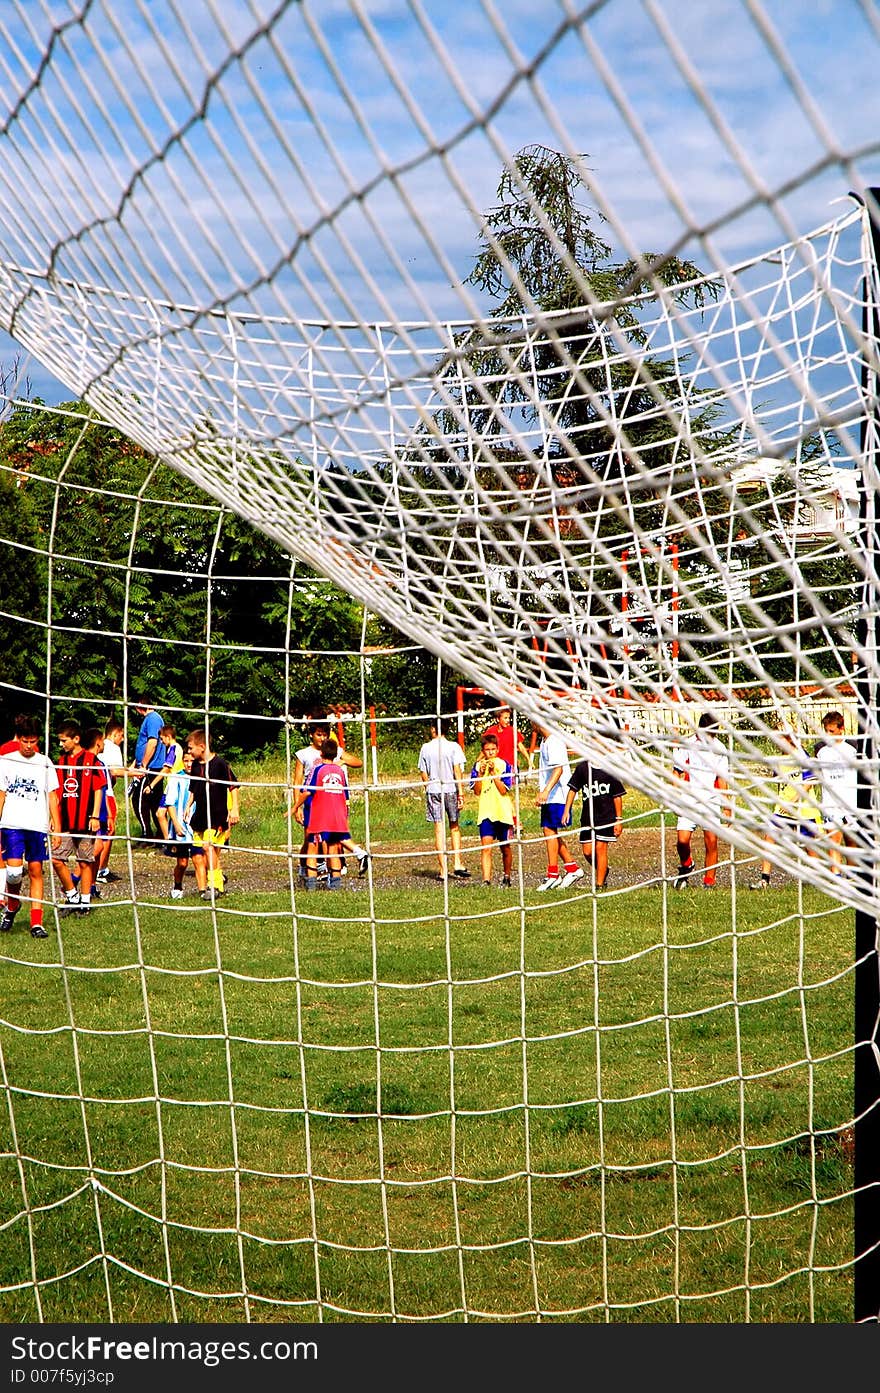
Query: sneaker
206, 895
334, 882
569, 877
709, 885
506, 882
109, 875
176, 894
681, 880
70, 906
102, 877
761, 884
462, 873
37, 931
487, 884
7, 921
84, 909
363, 861
551, 883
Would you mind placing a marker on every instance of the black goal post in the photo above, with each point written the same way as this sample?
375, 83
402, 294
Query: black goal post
866, 1083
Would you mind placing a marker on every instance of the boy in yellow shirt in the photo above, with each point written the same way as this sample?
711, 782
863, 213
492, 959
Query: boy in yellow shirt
797, 809
492, 781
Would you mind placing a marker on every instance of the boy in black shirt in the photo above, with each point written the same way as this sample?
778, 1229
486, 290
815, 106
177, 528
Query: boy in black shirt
214, 788
601, 813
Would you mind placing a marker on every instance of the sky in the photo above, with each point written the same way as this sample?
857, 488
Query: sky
337, 167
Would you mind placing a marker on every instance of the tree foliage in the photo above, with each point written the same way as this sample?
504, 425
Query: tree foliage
121, 578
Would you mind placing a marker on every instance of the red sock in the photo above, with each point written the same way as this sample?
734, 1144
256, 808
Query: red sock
552, 871
36, 916
570, 866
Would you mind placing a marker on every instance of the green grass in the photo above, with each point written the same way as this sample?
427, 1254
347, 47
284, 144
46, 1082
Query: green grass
284, 1124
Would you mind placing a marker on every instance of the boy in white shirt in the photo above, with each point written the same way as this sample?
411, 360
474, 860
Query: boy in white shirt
554, 771
29, 810
701, 761
837, 766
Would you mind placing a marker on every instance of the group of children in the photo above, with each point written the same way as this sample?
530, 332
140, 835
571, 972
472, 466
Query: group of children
817, 794
442, 764
68, 812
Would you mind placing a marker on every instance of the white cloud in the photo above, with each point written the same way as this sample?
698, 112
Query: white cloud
208, 203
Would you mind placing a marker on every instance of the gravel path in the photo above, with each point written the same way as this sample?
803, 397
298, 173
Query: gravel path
634, 860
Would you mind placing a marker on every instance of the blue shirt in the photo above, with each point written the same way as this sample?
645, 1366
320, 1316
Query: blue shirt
150, 727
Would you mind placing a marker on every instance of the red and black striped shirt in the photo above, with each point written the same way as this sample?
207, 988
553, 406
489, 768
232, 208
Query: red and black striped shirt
79, 775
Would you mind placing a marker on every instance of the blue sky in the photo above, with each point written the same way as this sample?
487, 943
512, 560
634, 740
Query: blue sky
350, 147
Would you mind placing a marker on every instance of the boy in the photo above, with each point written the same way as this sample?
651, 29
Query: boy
796, 811
111, 758
216, 808
601, 814
172, 760
441, 770
510, 748
82, 780
179, 804
327, 792
306, 760
149, 759
554, 772
701, 761
836, 762
29, 809
491, 780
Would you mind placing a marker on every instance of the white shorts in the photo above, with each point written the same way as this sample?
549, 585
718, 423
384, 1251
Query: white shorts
687, 824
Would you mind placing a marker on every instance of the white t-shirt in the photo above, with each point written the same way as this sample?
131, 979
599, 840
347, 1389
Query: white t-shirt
553, 754
111, 758
702, 761
27, 783
838, 773
308, 758
439, 759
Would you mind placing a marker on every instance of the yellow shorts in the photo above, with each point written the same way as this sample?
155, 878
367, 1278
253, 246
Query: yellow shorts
212, 836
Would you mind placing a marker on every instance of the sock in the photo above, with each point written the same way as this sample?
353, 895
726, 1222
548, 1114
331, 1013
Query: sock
71, 895
357, 850
709, 878
569, 866
765, 875
687, 865
215, 878
552, 871
85, 899
36, 916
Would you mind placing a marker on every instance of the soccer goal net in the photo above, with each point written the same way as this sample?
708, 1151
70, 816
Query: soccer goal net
317, 457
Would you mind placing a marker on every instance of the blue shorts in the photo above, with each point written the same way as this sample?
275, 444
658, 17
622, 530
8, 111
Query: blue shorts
499, 831
23, 846
791, 825
552, 815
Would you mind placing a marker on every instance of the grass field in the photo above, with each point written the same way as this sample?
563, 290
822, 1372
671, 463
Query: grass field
613, 1107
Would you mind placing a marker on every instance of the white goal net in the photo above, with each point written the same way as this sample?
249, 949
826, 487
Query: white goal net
599, 438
